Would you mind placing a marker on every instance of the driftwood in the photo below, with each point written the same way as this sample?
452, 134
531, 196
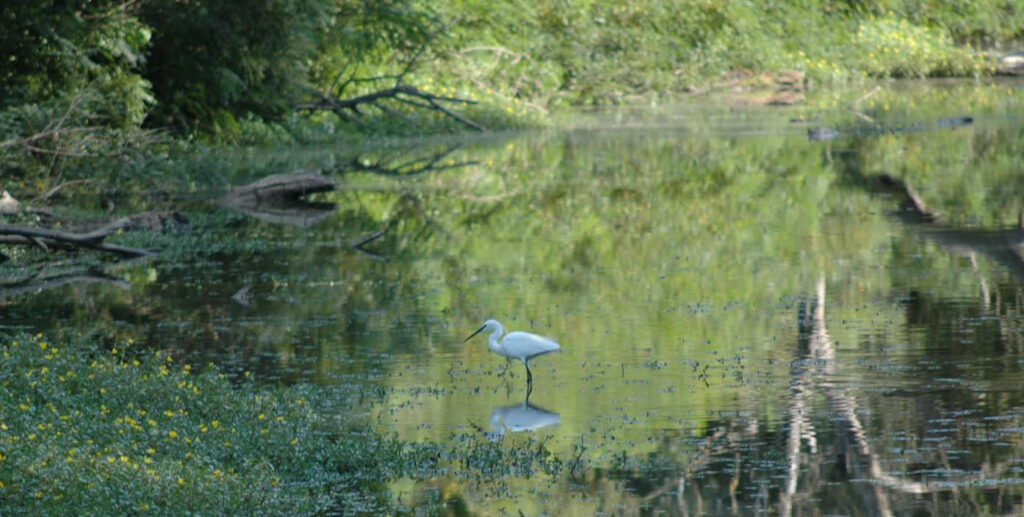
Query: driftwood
279, 199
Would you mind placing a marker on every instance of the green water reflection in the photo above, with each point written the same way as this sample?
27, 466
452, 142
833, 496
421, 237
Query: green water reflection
750, 320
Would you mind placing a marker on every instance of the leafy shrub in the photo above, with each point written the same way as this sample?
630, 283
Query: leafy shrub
55, 48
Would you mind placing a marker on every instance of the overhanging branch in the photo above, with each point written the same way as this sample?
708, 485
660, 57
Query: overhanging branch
345, 108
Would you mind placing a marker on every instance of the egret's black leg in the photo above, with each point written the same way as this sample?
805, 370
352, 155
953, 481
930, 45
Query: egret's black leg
529, 390
529, 376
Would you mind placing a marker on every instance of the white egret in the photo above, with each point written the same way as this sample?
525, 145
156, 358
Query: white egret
517, 345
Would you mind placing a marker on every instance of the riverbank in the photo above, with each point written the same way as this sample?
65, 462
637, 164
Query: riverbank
87, 429
319, 70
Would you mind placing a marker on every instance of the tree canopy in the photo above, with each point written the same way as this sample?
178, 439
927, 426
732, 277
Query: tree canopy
206, 66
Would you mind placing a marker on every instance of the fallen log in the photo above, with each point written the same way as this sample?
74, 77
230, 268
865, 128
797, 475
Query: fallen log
288, 186
81, 239
59, 242
279, 199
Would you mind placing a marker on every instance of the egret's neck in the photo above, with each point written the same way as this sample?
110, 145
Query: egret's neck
492, 341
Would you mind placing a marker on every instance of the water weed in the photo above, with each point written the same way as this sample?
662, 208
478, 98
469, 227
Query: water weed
124, 431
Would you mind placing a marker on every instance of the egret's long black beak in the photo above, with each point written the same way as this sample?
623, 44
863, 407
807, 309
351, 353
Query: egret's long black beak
479, 330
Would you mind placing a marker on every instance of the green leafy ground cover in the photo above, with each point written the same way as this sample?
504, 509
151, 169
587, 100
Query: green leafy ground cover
122, 430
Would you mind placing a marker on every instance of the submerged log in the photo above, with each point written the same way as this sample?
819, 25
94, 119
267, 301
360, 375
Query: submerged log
156, 221
36, 286
279, 199
51, 239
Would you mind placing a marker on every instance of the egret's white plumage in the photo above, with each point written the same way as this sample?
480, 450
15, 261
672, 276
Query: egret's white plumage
517, 345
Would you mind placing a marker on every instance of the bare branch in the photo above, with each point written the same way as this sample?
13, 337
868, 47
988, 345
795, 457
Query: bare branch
53, 191
372, 237
400, 93
456, 116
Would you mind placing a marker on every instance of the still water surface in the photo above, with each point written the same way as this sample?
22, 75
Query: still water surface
751, 319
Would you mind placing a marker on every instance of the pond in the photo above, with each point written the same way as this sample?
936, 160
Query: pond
811, 309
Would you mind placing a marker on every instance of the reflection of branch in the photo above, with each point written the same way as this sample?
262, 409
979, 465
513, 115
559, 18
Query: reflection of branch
708, 451
986, 294
862, 98
820, 346
815, 346
358, 246
408, 168
57, 281
81, 239
372, 237
1000, 246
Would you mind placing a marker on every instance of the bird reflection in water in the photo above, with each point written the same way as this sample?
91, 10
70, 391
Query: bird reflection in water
520, 417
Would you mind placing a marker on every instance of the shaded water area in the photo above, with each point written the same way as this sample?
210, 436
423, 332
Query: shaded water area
755, 315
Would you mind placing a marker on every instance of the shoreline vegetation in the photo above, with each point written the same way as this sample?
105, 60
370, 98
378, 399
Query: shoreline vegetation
105, 77
93, 427
122, 429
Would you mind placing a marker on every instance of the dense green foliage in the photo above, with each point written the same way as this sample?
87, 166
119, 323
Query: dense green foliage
55, 49
217, 66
